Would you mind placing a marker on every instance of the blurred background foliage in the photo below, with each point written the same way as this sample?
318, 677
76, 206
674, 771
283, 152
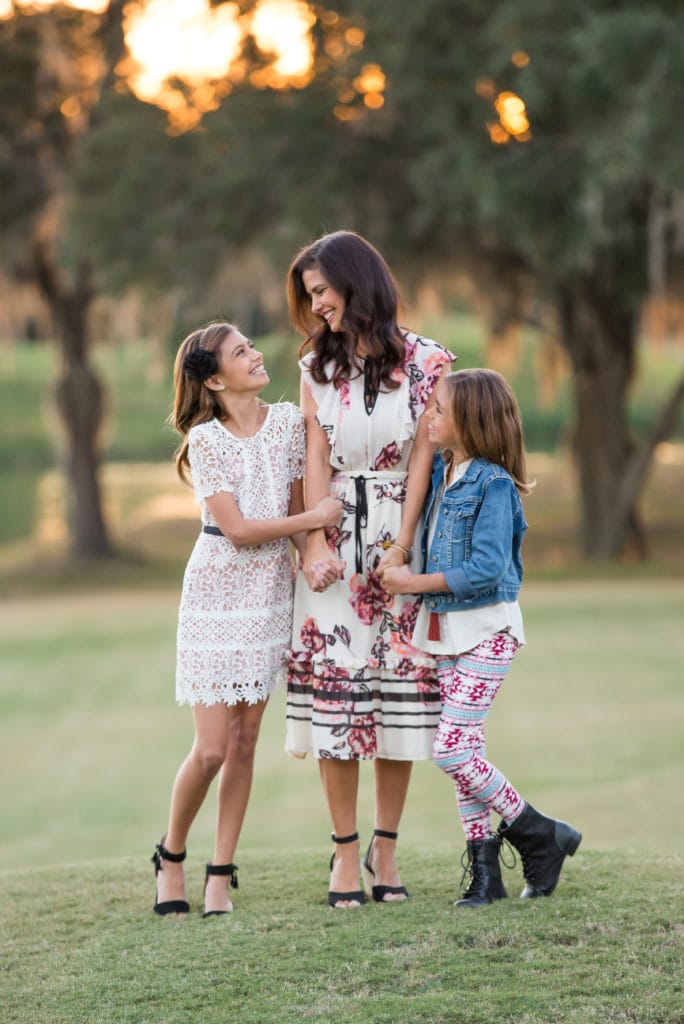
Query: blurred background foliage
520, 166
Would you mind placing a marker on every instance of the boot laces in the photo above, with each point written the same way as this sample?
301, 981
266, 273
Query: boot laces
509, 849
474, 869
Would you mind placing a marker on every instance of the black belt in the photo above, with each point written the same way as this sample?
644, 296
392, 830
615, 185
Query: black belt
360, 520
213, 530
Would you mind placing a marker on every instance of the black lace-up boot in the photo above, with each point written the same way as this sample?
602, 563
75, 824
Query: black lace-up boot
485, 874
543, 844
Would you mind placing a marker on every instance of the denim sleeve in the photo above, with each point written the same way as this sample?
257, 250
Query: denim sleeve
491, 544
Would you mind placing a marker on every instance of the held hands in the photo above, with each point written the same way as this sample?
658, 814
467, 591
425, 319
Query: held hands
323, 572
321, 566
398, 579
391, 558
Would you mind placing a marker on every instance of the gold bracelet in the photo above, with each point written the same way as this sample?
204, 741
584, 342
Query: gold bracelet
407, 553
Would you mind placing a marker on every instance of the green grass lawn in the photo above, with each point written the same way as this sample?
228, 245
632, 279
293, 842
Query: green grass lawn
588, 726
80, 945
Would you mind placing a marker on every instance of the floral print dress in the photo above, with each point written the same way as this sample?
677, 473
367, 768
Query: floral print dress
356, 687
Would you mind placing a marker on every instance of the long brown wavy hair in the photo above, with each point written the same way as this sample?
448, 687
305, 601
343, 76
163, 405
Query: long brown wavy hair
193, 403
487, 420
355, 269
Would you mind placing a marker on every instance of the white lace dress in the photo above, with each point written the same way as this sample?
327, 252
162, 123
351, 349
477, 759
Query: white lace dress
235, 620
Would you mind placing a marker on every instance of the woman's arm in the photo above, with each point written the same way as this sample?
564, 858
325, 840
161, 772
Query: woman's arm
318, 467
321, 566
417, 484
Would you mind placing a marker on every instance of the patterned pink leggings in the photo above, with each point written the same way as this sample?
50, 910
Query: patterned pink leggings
469, 683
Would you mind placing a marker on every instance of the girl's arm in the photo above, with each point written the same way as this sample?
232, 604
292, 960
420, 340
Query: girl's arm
241, 531
400, 580
297, 507
490, 553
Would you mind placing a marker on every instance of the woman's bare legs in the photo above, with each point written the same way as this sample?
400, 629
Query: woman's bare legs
391, 786
341, 785
235, 784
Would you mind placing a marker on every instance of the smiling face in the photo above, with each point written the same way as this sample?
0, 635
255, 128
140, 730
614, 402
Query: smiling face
441, 427
326, 303
241, 366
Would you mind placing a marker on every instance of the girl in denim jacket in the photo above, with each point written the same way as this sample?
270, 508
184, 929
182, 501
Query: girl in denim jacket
470, 621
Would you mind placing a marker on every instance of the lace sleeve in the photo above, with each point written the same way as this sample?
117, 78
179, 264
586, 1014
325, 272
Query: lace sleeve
297, 455
212, 473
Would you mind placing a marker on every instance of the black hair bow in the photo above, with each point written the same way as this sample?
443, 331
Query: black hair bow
200, 365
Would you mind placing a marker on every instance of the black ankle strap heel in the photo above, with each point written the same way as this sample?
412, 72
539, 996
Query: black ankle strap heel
158, 857
335, 898
220, 869
378, 892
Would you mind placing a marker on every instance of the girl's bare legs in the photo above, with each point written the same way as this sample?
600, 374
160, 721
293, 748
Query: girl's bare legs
212, 726
341, 784
391, 786
235, 784
189, 790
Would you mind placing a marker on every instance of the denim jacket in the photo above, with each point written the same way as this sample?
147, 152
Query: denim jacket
477, 538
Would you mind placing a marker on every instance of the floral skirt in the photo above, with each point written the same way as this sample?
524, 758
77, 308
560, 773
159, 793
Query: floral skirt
355, 714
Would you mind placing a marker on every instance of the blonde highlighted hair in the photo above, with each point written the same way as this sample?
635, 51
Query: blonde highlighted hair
487, 420
193, 402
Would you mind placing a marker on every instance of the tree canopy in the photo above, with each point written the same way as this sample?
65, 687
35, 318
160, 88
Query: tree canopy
533, 146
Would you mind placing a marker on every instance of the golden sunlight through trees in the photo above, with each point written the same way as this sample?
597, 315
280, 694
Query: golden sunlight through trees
184, 40
185, 56
520, 59
8, 7
371, 83
513, 122
283, 28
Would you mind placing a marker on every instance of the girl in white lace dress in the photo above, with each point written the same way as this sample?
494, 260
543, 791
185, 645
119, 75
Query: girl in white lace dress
246, 460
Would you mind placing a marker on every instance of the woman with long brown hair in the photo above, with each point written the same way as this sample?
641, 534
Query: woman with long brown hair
357, 689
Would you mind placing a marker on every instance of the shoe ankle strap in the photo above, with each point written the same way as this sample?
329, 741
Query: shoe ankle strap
345, 839
224, 869
384, 834
161, 853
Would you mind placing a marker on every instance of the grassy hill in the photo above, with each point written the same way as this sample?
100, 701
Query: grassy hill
82, 946
588, 726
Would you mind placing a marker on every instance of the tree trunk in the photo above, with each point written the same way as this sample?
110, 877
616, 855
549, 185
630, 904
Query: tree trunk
79, 400
601, 343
